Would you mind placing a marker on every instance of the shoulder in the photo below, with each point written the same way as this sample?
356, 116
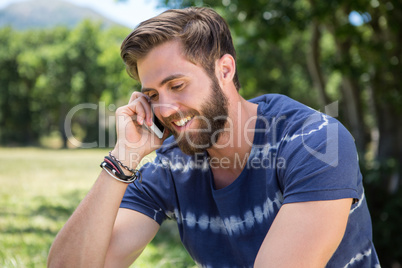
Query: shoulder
284, 119
294, 117
277, 107
278, 102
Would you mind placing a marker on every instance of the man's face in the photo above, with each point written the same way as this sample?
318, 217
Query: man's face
189, 103
211, 121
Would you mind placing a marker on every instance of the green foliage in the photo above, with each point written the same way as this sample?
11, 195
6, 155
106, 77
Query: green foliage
46, 73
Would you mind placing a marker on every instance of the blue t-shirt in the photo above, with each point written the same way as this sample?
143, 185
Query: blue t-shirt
297, 155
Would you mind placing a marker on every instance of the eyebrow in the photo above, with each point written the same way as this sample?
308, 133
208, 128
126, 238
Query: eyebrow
164, 81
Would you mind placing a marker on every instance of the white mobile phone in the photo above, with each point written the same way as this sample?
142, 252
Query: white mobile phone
156, 127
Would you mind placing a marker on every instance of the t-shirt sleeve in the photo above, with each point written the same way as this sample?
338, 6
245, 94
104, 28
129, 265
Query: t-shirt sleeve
151, 196
321, 161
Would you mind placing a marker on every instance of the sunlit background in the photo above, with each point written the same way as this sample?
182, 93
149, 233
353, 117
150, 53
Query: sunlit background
62, 78
127, 13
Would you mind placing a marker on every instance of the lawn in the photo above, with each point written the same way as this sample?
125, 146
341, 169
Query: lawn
40, 188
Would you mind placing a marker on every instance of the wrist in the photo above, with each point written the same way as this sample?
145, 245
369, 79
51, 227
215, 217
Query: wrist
118, 170
127, 156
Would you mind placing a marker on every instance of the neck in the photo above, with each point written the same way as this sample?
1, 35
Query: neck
235, 143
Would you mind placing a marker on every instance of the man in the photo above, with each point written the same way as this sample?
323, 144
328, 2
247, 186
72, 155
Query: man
260, 183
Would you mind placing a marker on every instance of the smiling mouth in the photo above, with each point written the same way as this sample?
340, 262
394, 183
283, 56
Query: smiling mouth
182, 122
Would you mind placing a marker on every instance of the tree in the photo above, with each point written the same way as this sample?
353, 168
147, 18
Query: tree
46, 73
20, 65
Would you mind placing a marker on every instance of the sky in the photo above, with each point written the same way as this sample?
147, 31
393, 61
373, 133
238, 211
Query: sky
128, 13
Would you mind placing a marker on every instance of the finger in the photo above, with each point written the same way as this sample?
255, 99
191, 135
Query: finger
124, 117
147, 110
135, 95
139, 109
132, 110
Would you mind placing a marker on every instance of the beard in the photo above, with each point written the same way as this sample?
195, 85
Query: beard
211, 122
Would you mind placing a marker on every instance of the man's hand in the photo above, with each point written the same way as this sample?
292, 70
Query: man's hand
133, 140
85, 239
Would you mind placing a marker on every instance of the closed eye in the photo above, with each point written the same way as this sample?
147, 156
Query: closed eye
177, 87
153, 96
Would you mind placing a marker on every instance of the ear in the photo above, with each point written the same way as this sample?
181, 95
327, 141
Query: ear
226, 68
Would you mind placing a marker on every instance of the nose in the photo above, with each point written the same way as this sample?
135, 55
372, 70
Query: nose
166, 106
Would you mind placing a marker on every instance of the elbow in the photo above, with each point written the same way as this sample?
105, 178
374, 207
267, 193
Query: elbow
59, 256
116, 257
53, 260
53, 263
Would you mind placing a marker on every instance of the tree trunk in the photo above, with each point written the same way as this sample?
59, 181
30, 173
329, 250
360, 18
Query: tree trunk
350, 91
389, 153
313, 64
351, 98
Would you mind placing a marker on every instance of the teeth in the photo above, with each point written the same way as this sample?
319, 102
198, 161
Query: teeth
183, 121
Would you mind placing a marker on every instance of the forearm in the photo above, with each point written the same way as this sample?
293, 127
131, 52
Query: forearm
84, 240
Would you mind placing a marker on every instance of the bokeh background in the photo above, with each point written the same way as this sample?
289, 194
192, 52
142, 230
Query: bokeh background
61, 79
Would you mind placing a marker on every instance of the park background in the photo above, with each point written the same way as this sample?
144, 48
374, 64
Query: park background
55, 57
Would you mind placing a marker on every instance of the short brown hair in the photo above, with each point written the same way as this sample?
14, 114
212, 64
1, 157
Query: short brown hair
204, 34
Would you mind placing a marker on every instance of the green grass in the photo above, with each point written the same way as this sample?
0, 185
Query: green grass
39, 190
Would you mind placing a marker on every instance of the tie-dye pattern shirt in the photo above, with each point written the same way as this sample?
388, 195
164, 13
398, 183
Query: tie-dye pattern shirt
297, 155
